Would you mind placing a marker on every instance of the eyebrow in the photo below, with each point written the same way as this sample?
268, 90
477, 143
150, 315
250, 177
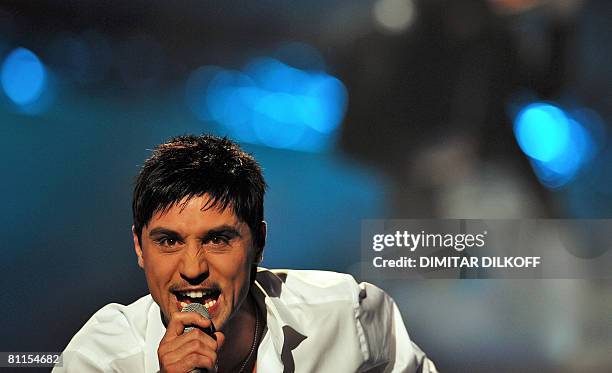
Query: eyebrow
162, 230
227, 229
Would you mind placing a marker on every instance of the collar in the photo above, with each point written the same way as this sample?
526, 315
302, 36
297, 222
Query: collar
266, 291
284, 331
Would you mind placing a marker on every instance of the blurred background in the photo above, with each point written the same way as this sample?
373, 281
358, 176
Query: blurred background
355, 109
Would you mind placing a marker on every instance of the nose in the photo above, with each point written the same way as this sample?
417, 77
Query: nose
194, 267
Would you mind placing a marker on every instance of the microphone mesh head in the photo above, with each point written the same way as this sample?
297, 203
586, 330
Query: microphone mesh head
198, 308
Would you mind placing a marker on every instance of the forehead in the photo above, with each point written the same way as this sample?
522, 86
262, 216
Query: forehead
195, 213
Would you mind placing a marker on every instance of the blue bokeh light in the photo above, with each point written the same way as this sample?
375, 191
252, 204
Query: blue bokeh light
23, 76
228, 97
557, 144
542, 131
324, 104
276, 123
273, 75
270, 102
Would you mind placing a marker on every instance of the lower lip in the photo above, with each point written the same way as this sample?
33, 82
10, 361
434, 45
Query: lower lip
212, 310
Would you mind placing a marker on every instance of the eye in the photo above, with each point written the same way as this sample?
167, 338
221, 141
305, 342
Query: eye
219, 240
168, 242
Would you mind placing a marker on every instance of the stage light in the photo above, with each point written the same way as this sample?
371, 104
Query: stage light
317, 99
394, 16
23, 77
224, 98
557, 144
324, 104
567, 166
275, 121
275, 76
542, 131
270, 102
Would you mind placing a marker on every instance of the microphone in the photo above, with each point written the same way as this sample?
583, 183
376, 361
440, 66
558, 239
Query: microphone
199, 308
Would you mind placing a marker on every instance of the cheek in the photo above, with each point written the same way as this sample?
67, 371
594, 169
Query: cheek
158, 272
233, 269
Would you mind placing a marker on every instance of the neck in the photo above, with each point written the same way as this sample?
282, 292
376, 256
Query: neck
239, 337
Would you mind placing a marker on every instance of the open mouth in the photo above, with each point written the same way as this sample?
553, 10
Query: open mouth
208, 298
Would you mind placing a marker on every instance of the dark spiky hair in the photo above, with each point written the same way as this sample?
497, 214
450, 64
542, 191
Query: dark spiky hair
192, 166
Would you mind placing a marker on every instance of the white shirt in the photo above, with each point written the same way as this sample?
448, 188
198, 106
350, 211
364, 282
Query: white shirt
316, 322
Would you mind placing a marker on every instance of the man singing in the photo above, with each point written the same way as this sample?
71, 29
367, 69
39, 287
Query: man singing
199, 234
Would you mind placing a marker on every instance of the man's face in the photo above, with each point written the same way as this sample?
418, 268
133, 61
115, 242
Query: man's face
190, 254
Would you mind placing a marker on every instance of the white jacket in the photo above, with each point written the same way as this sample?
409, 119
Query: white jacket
316, 322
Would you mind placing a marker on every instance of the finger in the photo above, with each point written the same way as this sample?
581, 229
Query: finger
220, 338
185, 342
198, 361
180, 320
187, 351
199, 335
190, 363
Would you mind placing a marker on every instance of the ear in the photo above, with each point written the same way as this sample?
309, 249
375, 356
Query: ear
260, 249
137, 248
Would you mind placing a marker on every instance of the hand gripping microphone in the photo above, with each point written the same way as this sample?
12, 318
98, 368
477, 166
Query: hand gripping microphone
199, 308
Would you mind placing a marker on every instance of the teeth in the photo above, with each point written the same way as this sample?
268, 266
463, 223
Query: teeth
198, 295
210, 304
195, 294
